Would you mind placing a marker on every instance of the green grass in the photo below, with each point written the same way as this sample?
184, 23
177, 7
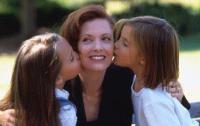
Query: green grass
189, 68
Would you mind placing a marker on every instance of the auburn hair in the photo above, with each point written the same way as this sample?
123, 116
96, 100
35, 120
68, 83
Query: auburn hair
72, 25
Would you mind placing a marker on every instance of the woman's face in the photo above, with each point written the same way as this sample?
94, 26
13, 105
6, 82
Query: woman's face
96, 45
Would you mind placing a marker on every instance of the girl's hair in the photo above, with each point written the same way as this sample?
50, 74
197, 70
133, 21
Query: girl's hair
71, 27
118, 28
158, 42
32, 92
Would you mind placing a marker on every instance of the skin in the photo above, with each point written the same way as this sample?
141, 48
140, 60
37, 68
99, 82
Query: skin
95, 51
91, 92
123, 50
7, 117
70, 63
128, 55
126, 51
69, 69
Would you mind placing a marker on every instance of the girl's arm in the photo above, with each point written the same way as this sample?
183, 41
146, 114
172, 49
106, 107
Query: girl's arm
164, 114
7, 117
175, 89
159, 114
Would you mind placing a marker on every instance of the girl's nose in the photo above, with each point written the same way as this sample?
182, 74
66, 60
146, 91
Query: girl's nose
116, 45
76, 55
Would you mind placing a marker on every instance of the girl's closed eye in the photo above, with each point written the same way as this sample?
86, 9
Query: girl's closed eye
72, 58
124, 42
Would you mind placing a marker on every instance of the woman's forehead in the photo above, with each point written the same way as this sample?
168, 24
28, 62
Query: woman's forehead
96, 26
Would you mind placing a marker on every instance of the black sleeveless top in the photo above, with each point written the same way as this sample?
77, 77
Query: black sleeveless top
115, 106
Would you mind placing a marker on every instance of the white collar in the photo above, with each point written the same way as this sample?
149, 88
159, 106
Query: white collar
61, 93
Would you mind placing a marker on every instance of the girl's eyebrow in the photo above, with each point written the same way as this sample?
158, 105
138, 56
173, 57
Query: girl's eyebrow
123, 38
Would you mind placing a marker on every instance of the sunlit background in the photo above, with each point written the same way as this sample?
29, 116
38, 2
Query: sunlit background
184, 15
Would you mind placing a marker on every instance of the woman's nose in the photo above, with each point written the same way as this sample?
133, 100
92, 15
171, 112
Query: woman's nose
98, 45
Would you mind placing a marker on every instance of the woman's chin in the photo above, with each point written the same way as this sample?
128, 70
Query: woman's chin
97, 67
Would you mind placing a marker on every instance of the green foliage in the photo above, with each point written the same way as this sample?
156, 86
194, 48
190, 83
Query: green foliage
9, 24
181, 18
50, 14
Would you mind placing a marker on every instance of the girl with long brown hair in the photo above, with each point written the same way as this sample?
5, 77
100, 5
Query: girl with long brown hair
42, 66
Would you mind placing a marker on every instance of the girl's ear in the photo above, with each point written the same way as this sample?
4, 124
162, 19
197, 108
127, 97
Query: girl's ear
142, 61
59, 81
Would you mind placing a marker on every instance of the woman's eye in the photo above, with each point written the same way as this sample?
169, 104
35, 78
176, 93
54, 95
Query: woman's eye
107, 39
86, 40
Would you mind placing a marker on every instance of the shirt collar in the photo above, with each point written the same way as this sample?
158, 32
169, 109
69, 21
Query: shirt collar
61, 93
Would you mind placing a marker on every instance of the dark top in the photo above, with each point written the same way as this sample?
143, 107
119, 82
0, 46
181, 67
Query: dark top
116, 105
185, 103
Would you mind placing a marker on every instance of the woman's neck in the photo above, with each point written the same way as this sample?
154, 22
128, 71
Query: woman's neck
92, 81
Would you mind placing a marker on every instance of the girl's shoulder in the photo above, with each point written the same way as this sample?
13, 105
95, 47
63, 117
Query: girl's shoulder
155, 96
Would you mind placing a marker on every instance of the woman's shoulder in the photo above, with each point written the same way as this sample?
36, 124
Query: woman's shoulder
119, 77
122, 72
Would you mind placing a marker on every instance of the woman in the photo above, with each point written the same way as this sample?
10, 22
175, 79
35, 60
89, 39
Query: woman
101, 92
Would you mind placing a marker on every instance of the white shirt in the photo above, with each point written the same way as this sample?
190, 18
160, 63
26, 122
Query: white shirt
156, 107
67, 114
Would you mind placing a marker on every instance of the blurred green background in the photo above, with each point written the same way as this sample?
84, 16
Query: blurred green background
21, 19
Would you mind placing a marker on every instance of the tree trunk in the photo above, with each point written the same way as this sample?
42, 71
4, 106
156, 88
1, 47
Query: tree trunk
28, 16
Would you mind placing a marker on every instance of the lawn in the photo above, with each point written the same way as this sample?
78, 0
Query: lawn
189, 68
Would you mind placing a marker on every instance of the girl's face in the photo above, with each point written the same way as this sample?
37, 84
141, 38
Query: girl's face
69, 59
126, 51
96, 45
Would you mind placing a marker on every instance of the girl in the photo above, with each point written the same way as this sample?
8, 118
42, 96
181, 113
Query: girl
42, 66
149, 46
